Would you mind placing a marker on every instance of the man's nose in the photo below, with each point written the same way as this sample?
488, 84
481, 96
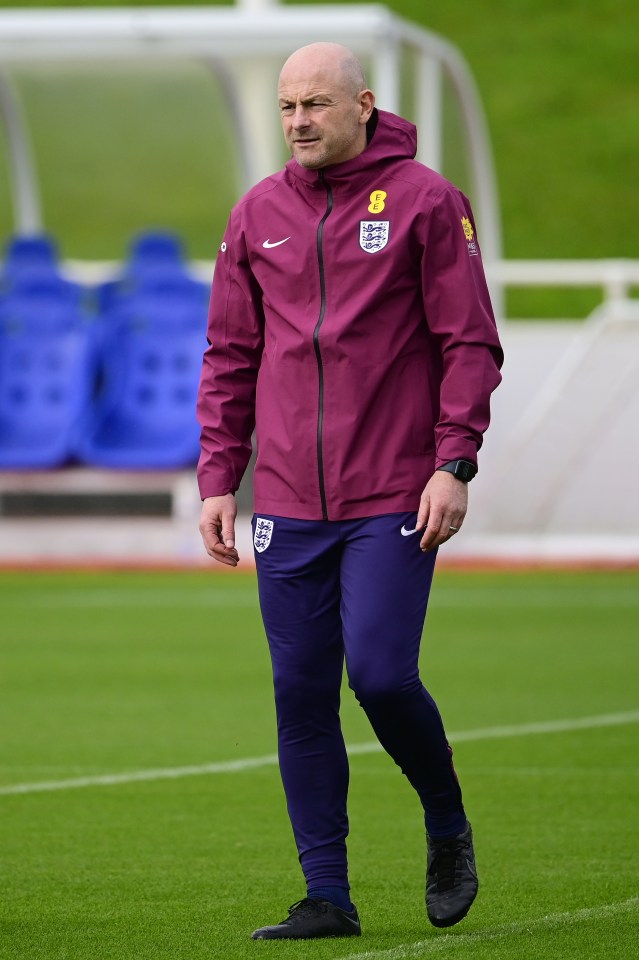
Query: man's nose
300, 117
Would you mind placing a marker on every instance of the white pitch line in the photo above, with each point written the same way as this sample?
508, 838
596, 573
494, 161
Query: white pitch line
357, 749
548, 726
137, 776
438, 943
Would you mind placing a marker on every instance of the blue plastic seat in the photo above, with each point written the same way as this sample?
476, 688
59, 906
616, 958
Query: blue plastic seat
28, 258
154, 258
46, 349
44, 392
43, 303
156, 253
151, 360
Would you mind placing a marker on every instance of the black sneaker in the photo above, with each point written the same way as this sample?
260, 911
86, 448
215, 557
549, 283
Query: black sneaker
451, 879
312, 918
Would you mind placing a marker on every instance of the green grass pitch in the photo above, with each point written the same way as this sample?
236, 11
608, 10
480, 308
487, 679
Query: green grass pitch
117, 673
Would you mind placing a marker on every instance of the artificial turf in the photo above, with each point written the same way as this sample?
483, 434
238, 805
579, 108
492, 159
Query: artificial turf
106, 673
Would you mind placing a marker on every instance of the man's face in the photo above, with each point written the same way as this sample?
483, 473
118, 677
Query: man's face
322, 119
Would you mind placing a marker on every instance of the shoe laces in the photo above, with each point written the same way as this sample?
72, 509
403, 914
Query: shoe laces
306, 906
447, 864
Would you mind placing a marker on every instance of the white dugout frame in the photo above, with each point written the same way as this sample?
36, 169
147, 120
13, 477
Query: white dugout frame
245, 47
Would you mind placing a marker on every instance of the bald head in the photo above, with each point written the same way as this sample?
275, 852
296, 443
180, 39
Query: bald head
330, 58
324, 104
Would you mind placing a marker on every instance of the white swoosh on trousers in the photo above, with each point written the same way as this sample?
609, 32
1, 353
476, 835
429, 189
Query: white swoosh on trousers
268, 245
407, 533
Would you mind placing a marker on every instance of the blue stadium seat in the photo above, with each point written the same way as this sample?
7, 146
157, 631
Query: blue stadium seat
43, 303
44, 391
115, 388
145, 417
28, 258
154, 257
46, 347
156, 253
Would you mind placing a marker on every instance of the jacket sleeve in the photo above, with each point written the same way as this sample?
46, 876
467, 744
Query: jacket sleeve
461, 322
226, 398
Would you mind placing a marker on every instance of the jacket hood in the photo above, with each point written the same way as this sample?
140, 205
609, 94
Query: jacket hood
390, 138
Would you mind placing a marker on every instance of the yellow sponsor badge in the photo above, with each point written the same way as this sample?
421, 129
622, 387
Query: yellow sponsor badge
377, 201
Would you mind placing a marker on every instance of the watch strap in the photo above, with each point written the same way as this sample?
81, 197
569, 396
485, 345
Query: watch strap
461, 469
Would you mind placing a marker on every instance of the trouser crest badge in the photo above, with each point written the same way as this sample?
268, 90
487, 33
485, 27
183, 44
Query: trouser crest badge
263, 534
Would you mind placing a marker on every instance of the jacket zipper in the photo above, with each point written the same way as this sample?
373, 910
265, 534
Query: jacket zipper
318, 353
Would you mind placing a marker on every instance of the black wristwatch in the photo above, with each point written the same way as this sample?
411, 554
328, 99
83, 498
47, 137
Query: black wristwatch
462, 469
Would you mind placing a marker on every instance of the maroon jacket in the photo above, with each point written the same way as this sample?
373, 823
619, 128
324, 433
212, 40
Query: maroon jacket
350, 321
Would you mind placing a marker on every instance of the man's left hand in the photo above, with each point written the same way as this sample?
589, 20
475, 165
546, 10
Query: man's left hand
442, 509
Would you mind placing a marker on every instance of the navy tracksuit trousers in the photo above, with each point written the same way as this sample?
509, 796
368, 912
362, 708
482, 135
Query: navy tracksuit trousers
353, 591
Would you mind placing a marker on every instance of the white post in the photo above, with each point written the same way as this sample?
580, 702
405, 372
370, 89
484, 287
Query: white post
256, 81
386, 73
429, 112
24, 185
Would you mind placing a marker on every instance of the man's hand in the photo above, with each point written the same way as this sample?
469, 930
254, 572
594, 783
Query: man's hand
442, 509
217, 526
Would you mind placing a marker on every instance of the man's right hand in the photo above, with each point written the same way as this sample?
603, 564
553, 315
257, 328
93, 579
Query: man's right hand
217, 526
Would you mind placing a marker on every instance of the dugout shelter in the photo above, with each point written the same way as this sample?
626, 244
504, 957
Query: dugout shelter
244, 47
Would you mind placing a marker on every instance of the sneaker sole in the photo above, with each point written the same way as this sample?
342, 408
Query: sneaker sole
440, 922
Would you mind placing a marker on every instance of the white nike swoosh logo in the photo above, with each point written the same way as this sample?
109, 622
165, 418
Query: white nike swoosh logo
406, 533
268, 245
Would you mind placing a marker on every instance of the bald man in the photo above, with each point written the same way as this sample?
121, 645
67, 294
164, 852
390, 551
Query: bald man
351, 326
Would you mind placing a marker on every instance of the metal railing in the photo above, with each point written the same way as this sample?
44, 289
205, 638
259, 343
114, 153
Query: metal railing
615, 278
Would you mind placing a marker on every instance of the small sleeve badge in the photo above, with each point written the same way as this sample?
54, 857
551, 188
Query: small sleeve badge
469, 233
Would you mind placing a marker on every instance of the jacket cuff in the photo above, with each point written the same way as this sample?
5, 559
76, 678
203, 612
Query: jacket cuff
455, 449
215, 487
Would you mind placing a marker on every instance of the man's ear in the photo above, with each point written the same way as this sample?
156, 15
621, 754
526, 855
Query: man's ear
366, 105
